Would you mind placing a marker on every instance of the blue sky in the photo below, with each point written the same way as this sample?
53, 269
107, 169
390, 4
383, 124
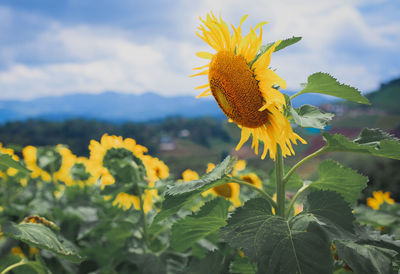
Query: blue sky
58, 47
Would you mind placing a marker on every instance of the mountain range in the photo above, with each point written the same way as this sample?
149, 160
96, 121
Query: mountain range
119, 107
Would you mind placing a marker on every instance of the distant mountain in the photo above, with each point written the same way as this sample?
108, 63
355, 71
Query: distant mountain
117, 107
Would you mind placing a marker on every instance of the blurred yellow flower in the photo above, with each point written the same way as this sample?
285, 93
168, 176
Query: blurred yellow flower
243, 85
379, 198
98, 151
126, 201
189, 175
155, 169
230, 191
16, 250
253, 179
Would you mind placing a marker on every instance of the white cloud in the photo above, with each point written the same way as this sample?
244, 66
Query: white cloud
88, 58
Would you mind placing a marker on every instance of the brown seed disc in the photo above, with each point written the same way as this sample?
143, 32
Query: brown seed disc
224, 190
236, 90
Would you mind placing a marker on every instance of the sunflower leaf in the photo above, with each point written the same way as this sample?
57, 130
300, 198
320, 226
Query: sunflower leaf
297, 245
326, 84
371, 141
310, 116
7, 161
184, 192
364, 258
41, 237
345, 181
186, 232
242, 266
287, 42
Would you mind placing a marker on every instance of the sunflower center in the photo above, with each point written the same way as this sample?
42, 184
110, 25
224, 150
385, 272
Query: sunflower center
224, 190
236, 90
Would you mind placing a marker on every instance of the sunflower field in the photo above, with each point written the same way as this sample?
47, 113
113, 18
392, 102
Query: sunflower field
120, 210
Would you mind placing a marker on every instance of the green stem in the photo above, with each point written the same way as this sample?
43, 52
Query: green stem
294, 95
259, 190
280, 185
10, 267
302, 161
300, 191
144, 222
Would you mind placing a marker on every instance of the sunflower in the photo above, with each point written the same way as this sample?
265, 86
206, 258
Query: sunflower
229, 190
115, 147
108, 147
379, 198
253, 179
10, 171
75, 170
244, 86
44, 162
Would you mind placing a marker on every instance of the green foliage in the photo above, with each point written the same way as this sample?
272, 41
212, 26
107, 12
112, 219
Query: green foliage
310, 116
6, 161
335, 177
370, 141
365, 258
287, 42
326, 84
242, 266
183, 192
41, 237
209, 219
278, 245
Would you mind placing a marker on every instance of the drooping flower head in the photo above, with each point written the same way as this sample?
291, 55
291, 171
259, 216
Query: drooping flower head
244, 86
107, 156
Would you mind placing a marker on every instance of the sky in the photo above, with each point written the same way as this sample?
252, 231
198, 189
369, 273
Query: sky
61, 47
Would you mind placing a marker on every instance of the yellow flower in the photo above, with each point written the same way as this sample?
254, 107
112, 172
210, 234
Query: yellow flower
126, 201
189, 175
379, 198
75, 170
155, 169
16, 250
10, 171
98, 151
253, 179
230, 191
30, 154
243, 85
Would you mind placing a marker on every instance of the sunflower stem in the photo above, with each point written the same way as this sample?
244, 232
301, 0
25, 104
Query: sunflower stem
300, 191
10, 267
302, 161
259, 190
280, 185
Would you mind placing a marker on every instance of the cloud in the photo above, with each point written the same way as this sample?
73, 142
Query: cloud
347, 38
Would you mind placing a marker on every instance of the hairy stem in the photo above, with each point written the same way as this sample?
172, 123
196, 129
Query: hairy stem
302, 161
300, 191
10, 267
280, 184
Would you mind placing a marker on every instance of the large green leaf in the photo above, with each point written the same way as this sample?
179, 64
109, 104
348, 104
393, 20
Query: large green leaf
42, 237
328, 209
371, 141
310, 116
214, 262
184, 192
186, 232
326, 84
242, 266
7, 161
278, 245
364, 258
333, 176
